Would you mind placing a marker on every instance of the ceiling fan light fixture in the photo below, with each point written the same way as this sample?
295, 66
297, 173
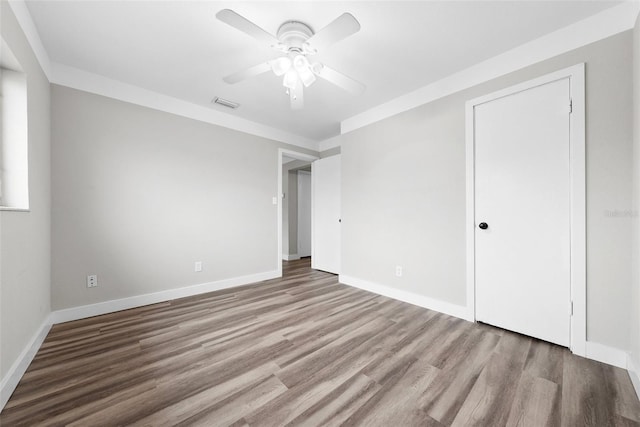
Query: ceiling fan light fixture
297, 41
281, 65
290, 79
307, 77
301, 64
308, 50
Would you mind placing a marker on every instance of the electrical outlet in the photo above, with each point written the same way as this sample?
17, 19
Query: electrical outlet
198, 266
92, 281
398, 271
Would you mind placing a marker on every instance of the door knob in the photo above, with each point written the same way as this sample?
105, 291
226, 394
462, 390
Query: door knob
483, 225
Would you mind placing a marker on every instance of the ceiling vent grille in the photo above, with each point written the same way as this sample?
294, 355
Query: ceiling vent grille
225, 103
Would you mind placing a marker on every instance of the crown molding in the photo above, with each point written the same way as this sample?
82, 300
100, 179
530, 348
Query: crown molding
597, 27
94, 83
21, 12
329, 143
607, 23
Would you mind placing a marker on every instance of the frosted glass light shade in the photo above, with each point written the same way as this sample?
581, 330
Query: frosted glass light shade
281, 65
301, 64
290, 79
307, 77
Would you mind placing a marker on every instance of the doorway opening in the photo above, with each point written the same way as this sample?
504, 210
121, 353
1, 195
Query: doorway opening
294, 206
296, 209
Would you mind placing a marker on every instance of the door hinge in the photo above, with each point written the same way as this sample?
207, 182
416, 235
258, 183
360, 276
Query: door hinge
570, 106
571, 308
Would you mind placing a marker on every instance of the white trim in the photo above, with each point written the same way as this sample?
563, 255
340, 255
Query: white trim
594, 351
20, 365
407, 296
470, 203
578, 197
604, 24
597, 27
605, 354
25, 21
82, 312
298, 156
633, 371
93, 83
329, 143
7, 58
578, 211
313, 216
291, 257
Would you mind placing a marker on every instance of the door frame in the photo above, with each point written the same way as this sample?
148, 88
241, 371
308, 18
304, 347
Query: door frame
299, 156
311, 213
578, 277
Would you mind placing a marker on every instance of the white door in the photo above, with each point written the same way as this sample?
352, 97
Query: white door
304, 213
325, 180
522, 194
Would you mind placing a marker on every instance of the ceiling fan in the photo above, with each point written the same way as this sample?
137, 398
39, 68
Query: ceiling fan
297, 41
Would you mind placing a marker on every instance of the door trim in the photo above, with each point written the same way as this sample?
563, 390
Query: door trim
310, 253
296, 155
578, 277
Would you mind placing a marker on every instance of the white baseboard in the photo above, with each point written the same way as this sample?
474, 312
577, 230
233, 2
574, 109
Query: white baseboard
595, 351
605, 354
291, 257
19, 367
82, 312
634, 374
412, 298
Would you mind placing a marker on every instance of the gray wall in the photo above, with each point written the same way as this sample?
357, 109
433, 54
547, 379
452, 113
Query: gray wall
25, 250
403, 191
635, 301
140, 195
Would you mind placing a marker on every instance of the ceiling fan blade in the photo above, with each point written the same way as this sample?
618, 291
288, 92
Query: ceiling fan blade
338, 79
342, 27
241, 23
249, 72
296, 97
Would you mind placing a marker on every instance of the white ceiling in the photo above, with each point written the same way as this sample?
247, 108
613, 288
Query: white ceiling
179, 48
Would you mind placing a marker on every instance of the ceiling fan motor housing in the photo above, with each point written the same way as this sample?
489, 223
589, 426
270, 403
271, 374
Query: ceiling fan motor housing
294, 34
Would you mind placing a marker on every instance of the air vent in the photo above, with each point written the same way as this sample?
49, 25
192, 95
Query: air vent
225, 103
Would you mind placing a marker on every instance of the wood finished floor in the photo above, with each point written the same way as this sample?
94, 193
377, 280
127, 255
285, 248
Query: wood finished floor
305, 350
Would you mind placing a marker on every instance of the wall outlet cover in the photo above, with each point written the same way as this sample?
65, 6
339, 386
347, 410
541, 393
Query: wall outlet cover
92, 281
398, 271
